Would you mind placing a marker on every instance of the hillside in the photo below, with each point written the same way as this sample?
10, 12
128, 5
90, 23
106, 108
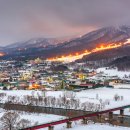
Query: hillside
122, 63
37, 48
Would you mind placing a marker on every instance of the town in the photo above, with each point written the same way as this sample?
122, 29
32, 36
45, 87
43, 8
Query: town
43, 75
75, 86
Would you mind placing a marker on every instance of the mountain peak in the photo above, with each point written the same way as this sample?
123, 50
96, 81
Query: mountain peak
48, 47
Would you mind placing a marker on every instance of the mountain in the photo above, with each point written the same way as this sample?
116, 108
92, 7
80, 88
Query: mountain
46, 48
108, 54
37, 42
31, 48
122, 63
95, 38
92, 40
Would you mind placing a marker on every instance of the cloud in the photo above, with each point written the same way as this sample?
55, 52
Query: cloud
55, 18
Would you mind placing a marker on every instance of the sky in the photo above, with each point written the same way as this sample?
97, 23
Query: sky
25, 19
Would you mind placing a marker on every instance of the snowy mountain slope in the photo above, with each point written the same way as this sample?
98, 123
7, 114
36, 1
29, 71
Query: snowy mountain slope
88, 41
35, 42
103, 35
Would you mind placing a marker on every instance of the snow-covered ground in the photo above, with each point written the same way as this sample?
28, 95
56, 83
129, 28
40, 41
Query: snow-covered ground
98, 127
40, 118
123, 86
35, 118
113, 72
79, 126
93, 95
126, 112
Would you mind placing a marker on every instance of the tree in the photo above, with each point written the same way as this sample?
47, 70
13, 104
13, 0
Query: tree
9, 120
23, 123
62, 84
12, 121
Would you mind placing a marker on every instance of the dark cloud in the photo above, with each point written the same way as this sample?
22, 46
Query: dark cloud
23, 19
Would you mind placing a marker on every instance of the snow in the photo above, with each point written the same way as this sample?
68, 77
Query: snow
36, 118
39, 118
126, 112
113, 72
84, 96
98, 127
124, 86
79, 126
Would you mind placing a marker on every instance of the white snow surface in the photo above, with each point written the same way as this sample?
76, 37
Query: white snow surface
84, 96
127, 86
113, 72
79, 126
39, 118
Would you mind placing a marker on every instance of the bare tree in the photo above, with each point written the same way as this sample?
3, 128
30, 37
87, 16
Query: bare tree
12, 121
23, 123
9, 120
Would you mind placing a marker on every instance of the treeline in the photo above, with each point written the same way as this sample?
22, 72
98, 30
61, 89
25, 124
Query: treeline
67, 101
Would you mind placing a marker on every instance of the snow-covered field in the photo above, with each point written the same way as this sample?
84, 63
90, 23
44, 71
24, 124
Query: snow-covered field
93, 96
114, 72
123, 86
40, 118
79, 126
35, 118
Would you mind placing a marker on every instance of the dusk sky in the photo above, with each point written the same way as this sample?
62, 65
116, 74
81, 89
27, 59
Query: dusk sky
25, 19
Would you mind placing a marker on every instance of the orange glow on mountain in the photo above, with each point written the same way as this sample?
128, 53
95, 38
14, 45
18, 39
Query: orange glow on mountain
2, 54
79, 55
